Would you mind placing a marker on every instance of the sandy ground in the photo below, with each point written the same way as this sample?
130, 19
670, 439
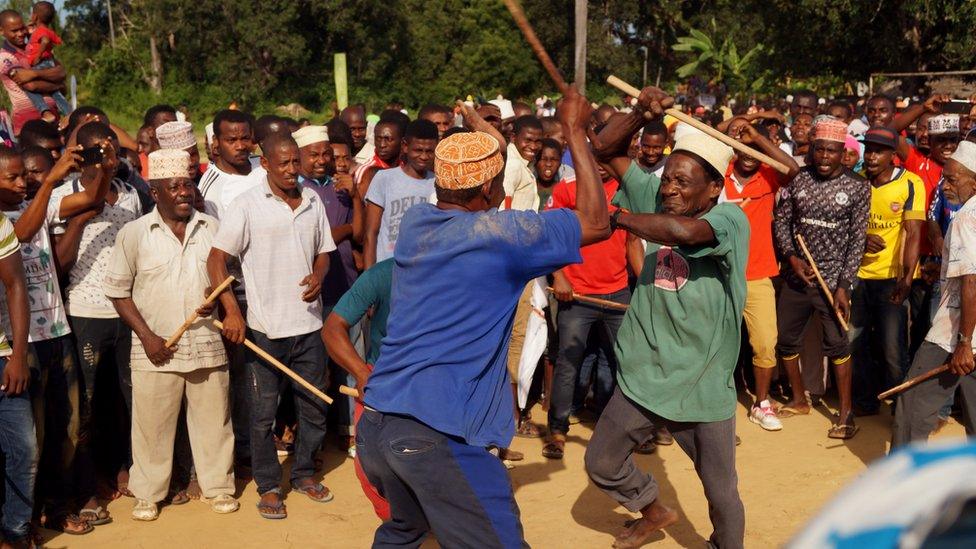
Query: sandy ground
784, 479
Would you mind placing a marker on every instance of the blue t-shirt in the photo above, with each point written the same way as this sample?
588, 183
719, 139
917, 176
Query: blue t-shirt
371, 288
456, 281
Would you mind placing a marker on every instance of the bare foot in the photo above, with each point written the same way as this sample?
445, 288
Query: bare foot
655, 517
193, 490
122, 484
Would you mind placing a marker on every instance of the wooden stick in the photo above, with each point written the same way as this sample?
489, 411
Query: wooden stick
193, 318
710, 131
823, 285
274, 362
349, 391
914, 381
523, 24
596, 301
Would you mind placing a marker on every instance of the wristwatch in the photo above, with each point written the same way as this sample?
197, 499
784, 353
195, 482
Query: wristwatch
963, 338
614, 217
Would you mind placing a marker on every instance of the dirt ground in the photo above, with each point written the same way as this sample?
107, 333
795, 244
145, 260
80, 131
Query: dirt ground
784, 479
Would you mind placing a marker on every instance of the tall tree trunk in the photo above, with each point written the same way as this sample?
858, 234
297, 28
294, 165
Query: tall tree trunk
580, 57
156, 70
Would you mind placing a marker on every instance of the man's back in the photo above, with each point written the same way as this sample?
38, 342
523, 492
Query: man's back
457, 279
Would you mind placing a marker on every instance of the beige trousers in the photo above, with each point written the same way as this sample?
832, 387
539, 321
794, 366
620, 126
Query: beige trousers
522, 312
156, 401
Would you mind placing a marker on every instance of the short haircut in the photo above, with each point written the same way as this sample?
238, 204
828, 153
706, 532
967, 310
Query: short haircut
93, 132
7, 14
292, 124
7, 153
33, 132
550, 124
231, 117
453, 130
421, 129
526, 122
882, 97
805, 93
842, 104
433, 108
275, 140
656, 127
339, 132
550, 143
457, 196
395, 117
156, 110
34, 151
45, 12
264, 125
79, 114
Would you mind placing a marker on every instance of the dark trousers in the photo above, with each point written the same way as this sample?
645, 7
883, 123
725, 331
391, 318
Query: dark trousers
599, 370
103, 346
575, 320
916, 412
436, 483
55, 401
18, 442
879, 341
305, 354
711, 446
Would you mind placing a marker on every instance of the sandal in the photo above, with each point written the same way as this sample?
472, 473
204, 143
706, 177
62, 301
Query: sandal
527, 429
95, 516
843, 431
315, 492
70, 524
789, 411
177, 498
555, 447
646, 448
273, 511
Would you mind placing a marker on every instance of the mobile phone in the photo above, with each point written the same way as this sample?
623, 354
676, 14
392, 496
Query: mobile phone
957, 106
91, 156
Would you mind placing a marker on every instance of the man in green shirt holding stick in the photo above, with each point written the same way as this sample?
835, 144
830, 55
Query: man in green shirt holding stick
679, 341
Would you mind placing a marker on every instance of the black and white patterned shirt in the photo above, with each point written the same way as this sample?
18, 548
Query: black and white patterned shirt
832, 216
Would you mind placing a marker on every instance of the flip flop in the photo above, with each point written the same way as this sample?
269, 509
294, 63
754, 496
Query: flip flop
311, 490
527, 429
789, 411
646, 448
278, 510
95, 516
843, 431
554, 449
61, 525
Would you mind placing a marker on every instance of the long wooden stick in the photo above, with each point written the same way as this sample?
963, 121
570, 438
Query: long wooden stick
523, 24
349, 391
914, 381
712, 132
823, 285
193, 318
596, 301
274, 362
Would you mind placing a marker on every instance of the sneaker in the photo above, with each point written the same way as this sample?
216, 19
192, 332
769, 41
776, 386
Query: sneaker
145, 510
224, 503
764, 416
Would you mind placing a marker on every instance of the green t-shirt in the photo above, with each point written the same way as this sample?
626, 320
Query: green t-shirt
679, 341
371, 288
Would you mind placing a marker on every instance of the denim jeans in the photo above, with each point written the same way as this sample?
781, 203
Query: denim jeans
879, 341
37, 99
305, 354
18, 441
575, 320
599, 368
436, 483
103, 347
55, 400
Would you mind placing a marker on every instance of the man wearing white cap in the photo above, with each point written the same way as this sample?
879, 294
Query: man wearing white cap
950, 340
179, 135
156, 279
671, 371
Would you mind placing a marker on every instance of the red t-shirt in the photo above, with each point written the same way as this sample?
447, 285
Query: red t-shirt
760, 191
35, 52
604, 266
931, 173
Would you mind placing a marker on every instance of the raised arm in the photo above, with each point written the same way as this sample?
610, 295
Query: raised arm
33, 217
611, 144
591, 201
751, 136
